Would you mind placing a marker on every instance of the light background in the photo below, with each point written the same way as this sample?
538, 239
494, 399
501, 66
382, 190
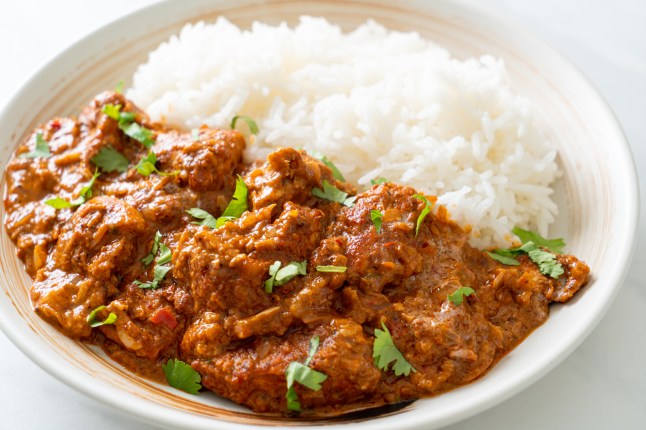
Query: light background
602, 385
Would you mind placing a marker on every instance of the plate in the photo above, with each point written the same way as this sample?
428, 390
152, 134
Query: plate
597, 196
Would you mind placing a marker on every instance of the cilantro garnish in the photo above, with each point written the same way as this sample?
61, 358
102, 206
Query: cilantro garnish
41, 150
304, 375
109, 159
153, 251
376, 217
237, 206
146, 166
554, 245
331, 269
333, 194
161, 265
379, 180
84, 195
207, 219
182, 376
119, 88
457, 297
546, 261
278, 276
385, 352
336, 173
92, 322
504, 256
253, 127
127, 124
427, 209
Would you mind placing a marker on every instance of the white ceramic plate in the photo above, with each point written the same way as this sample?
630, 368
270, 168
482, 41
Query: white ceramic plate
597, 197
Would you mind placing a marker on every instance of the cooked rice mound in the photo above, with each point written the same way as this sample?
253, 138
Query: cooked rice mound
377, 103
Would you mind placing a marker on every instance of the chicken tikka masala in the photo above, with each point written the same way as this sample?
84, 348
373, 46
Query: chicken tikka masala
275, 284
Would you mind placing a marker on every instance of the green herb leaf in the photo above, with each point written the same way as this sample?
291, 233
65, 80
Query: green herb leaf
128, 125
554, 245
333, 194
281, 276
113, 111
379, 180
146, 166
269, 283
208, 220
153, 251
253, 127
182, 376
84, 195
376, 217
546, 261
385, 352
336, 173
92, 322
109, 159
41, 150
304, 375
119, 88
504, 256
331, 269
161, 268
427, 209
58, 203
238, 204
457, 297
292, 400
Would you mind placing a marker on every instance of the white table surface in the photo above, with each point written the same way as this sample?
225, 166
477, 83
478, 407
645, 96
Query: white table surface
602, 385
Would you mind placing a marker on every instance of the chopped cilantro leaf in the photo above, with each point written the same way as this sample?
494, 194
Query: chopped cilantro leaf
113, 111
153, 251
41, 150
146, 166
457, 297
376, 217
287, 273
253, 127
546, 261
119, 88
273, 269
237, 206
379, 180
84, 195
109, 159
292, 400
336, 173
161, 265
331, 269
333, 194
280, 276
504, 256
127, 124
385, 352
182, 376
304, 375
92, 321
427, 209
208, 220
554, 245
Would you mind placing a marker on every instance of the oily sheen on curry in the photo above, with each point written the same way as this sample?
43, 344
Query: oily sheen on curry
276, 283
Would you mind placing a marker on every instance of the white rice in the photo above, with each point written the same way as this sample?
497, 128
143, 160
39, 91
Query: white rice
375, 102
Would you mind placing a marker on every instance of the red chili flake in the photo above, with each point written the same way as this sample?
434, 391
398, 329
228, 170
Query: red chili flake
55, 124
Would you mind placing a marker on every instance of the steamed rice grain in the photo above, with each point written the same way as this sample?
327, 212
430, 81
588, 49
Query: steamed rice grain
377, 103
